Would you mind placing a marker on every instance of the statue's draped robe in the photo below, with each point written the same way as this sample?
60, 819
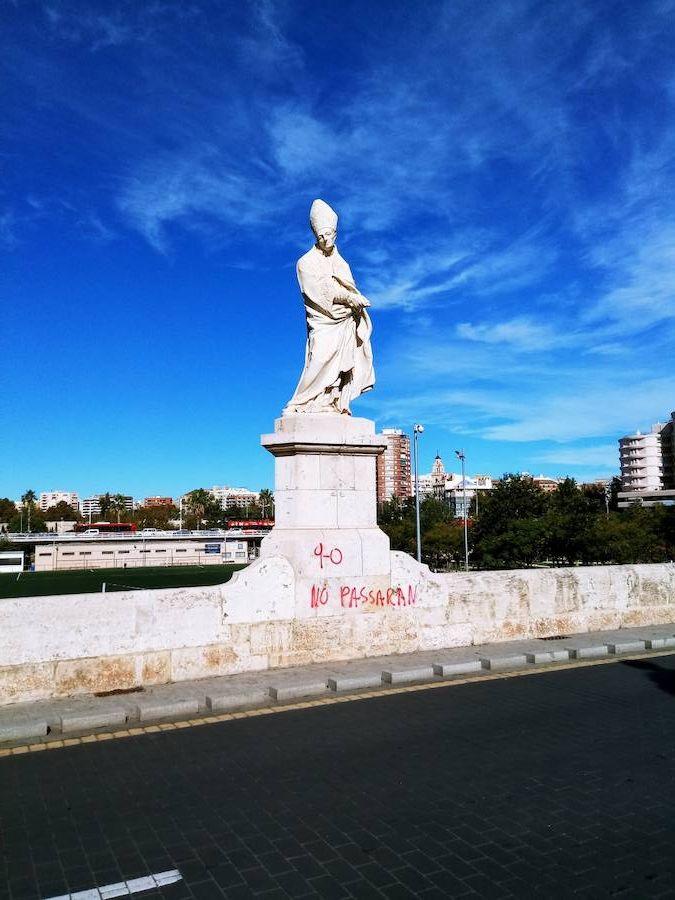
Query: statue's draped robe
338, 355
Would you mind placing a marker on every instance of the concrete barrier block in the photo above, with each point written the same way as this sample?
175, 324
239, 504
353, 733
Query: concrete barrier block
177, 708
449, 669
237, 699
401, 676
17, 728
296, 689
541, 657
355, 682
100, 717
495, 663
591, 652
626, 647
660, 643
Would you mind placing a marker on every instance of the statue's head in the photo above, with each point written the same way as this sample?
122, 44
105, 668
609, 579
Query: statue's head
323, 220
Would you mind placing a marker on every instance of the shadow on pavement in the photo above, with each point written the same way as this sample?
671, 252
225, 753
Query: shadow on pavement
663, 678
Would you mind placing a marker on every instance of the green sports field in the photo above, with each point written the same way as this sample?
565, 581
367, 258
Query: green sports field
40, 584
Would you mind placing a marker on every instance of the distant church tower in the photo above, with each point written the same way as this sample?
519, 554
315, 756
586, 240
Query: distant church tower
438, 477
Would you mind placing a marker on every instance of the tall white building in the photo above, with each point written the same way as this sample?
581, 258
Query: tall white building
91, 506
393, 466
51, 498
234, 498
641, 459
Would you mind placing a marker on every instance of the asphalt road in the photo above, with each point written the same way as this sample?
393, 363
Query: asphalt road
560, 784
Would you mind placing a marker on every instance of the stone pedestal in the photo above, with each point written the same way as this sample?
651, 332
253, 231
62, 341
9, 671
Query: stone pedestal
326, 512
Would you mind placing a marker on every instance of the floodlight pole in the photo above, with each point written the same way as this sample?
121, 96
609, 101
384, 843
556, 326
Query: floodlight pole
461, 456
417, 430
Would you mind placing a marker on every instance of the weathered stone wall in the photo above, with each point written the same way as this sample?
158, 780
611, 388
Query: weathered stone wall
81, 643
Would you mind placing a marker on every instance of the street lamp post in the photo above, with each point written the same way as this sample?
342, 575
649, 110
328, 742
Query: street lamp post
417, 430
180, 514
461, 456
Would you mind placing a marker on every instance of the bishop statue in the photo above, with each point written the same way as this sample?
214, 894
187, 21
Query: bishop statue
338, 356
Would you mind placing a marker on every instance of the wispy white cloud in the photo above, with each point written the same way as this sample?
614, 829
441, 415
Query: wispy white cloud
589, 410
521, 332
600, 455
188, 191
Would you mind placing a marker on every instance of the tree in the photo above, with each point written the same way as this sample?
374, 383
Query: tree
118, 505
105, 502
567, 522
62, 511
521, 544
443, 544
509, 531
155, 517
7, 509
626, 537
201, 508
28, 499
397, 520
267, 503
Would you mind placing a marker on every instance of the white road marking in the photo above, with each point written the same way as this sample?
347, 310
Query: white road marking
124, 888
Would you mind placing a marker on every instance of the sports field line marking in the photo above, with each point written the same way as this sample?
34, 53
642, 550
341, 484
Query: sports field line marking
124, 888
540, 669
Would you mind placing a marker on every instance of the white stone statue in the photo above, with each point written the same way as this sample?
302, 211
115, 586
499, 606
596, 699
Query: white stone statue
338, 355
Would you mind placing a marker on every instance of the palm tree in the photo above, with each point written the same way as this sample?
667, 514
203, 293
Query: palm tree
198, 503
105, 502
119, 504
28, 499
266, 500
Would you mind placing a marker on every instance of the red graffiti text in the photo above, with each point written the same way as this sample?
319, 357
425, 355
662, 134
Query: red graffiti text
355, 597
334, 555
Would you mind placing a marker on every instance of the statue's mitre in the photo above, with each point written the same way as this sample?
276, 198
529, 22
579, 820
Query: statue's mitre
322, 216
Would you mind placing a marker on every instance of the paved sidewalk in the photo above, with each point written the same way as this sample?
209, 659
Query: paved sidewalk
43, 720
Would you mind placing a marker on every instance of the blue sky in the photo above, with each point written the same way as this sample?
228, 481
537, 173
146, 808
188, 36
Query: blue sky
504, 177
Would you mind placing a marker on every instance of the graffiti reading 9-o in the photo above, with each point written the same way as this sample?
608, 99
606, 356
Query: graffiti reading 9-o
333, 556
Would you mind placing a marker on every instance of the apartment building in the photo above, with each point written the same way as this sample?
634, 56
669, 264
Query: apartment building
91, 506
51, 498
393, 466
642, 460
234, 498
648, 466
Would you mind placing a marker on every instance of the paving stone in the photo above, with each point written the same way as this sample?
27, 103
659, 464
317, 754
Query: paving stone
448, 669
503, 662
293, 690
103, 716
157, 708
119, 889
18, 729
547, 656
114, 890
590, 651
355, 682
626, 647
660, 643
233, 699
447, 788
403, 675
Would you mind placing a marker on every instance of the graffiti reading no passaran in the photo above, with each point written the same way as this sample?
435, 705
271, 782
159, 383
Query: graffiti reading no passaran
351, 597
